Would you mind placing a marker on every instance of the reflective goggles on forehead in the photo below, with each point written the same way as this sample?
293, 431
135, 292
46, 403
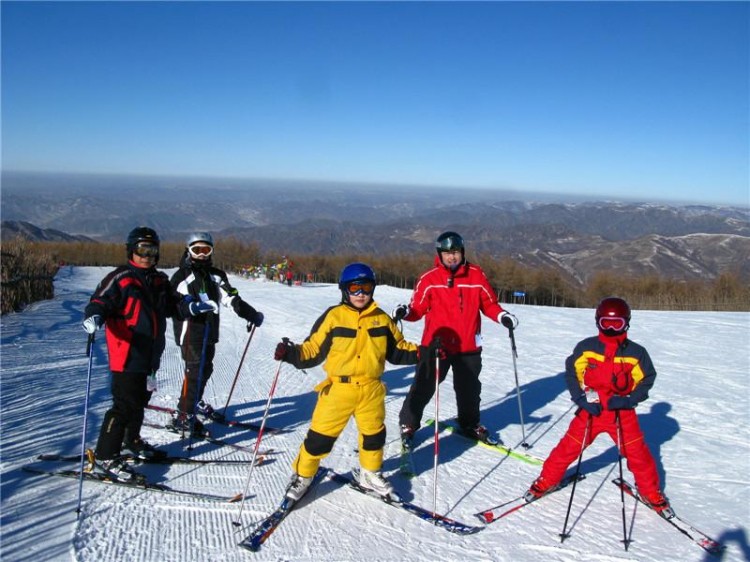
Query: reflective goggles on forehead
616, 323
196, 251
146, 250
360, 288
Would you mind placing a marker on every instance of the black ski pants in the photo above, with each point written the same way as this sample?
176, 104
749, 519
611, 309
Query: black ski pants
125, 418
195, 381
466, 384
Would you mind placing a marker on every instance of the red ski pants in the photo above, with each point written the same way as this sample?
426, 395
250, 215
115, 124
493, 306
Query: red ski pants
639, 459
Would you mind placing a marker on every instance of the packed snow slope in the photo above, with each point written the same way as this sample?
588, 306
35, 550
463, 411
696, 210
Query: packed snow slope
697, 423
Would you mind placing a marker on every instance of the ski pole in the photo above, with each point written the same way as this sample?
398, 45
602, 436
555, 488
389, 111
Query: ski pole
437, 427
620, 445
89, 352
201, 366
257, 441
237, 374
565, 535
514, 354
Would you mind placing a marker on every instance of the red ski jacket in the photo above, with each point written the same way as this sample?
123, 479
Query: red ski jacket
450, 303
134, 304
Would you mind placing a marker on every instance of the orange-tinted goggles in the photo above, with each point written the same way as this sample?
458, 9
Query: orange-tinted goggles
360, 288
146, 250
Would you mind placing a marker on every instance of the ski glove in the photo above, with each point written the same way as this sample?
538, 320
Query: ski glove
617, 402
400, 312
92, 323
284, 350
203, 307
257, 319
508, 320
426, 356
593, 408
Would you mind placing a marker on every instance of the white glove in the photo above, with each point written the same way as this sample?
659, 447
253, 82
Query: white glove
92, 323
400, 312
203, 307
508, 320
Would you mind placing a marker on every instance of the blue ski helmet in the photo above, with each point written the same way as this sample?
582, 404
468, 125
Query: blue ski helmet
356, 272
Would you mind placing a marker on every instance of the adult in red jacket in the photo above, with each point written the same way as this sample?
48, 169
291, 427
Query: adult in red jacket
607, 376
133, 302
450, 298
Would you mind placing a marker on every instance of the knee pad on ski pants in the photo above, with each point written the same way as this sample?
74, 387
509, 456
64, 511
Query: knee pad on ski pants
374, 442
318, 444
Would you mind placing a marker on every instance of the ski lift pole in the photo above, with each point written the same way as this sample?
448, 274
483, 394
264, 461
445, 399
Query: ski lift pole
239, 367
257, 441
514, 354
90, 354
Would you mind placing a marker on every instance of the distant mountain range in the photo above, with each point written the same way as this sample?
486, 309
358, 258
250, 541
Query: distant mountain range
578, 237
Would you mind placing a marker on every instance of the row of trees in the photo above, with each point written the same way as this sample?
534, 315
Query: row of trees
541, 286
27, 275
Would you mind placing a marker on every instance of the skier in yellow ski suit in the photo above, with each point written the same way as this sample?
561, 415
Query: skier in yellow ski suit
354, 338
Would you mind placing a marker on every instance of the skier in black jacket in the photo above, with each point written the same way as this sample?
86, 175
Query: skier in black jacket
197, 336
133, 302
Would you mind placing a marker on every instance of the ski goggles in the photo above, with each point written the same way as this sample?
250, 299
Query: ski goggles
146, 250
360, 288
613, 323
200, 251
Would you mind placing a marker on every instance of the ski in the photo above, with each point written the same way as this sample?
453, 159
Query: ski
261, 459
493, 514
394, 500
140, 485
218, 418
406, 461
266, 527
206, 438
703, 540
450, 425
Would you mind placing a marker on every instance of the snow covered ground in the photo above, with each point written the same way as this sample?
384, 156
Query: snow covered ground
697, 423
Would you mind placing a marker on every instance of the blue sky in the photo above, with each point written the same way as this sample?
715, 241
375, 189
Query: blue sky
618, 100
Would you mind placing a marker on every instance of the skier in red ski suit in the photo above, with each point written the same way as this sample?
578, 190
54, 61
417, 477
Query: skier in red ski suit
607, 376
451, 296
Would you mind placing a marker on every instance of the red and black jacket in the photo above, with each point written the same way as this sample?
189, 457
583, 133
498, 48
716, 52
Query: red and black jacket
134, 304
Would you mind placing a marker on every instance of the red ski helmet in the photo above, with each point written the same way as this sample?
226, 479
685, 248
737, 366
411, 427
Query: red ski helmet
613, 316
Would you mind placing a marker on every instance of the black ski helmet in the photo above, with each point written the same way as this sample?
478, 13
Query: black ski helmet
449, 241
614, 308
141, 234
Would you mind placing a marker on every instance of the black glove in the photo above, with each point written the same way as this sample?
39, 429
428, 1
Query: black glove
617, 402
593, 408
284, 350
400, 312
257, 319
508, 320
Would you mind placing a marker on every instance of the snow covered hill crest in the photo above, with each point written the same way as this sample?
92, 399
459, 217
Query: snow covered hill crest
696, 421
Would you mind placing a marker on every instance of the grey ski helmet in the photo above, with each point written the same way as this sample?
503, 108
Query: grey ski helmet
196, 237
